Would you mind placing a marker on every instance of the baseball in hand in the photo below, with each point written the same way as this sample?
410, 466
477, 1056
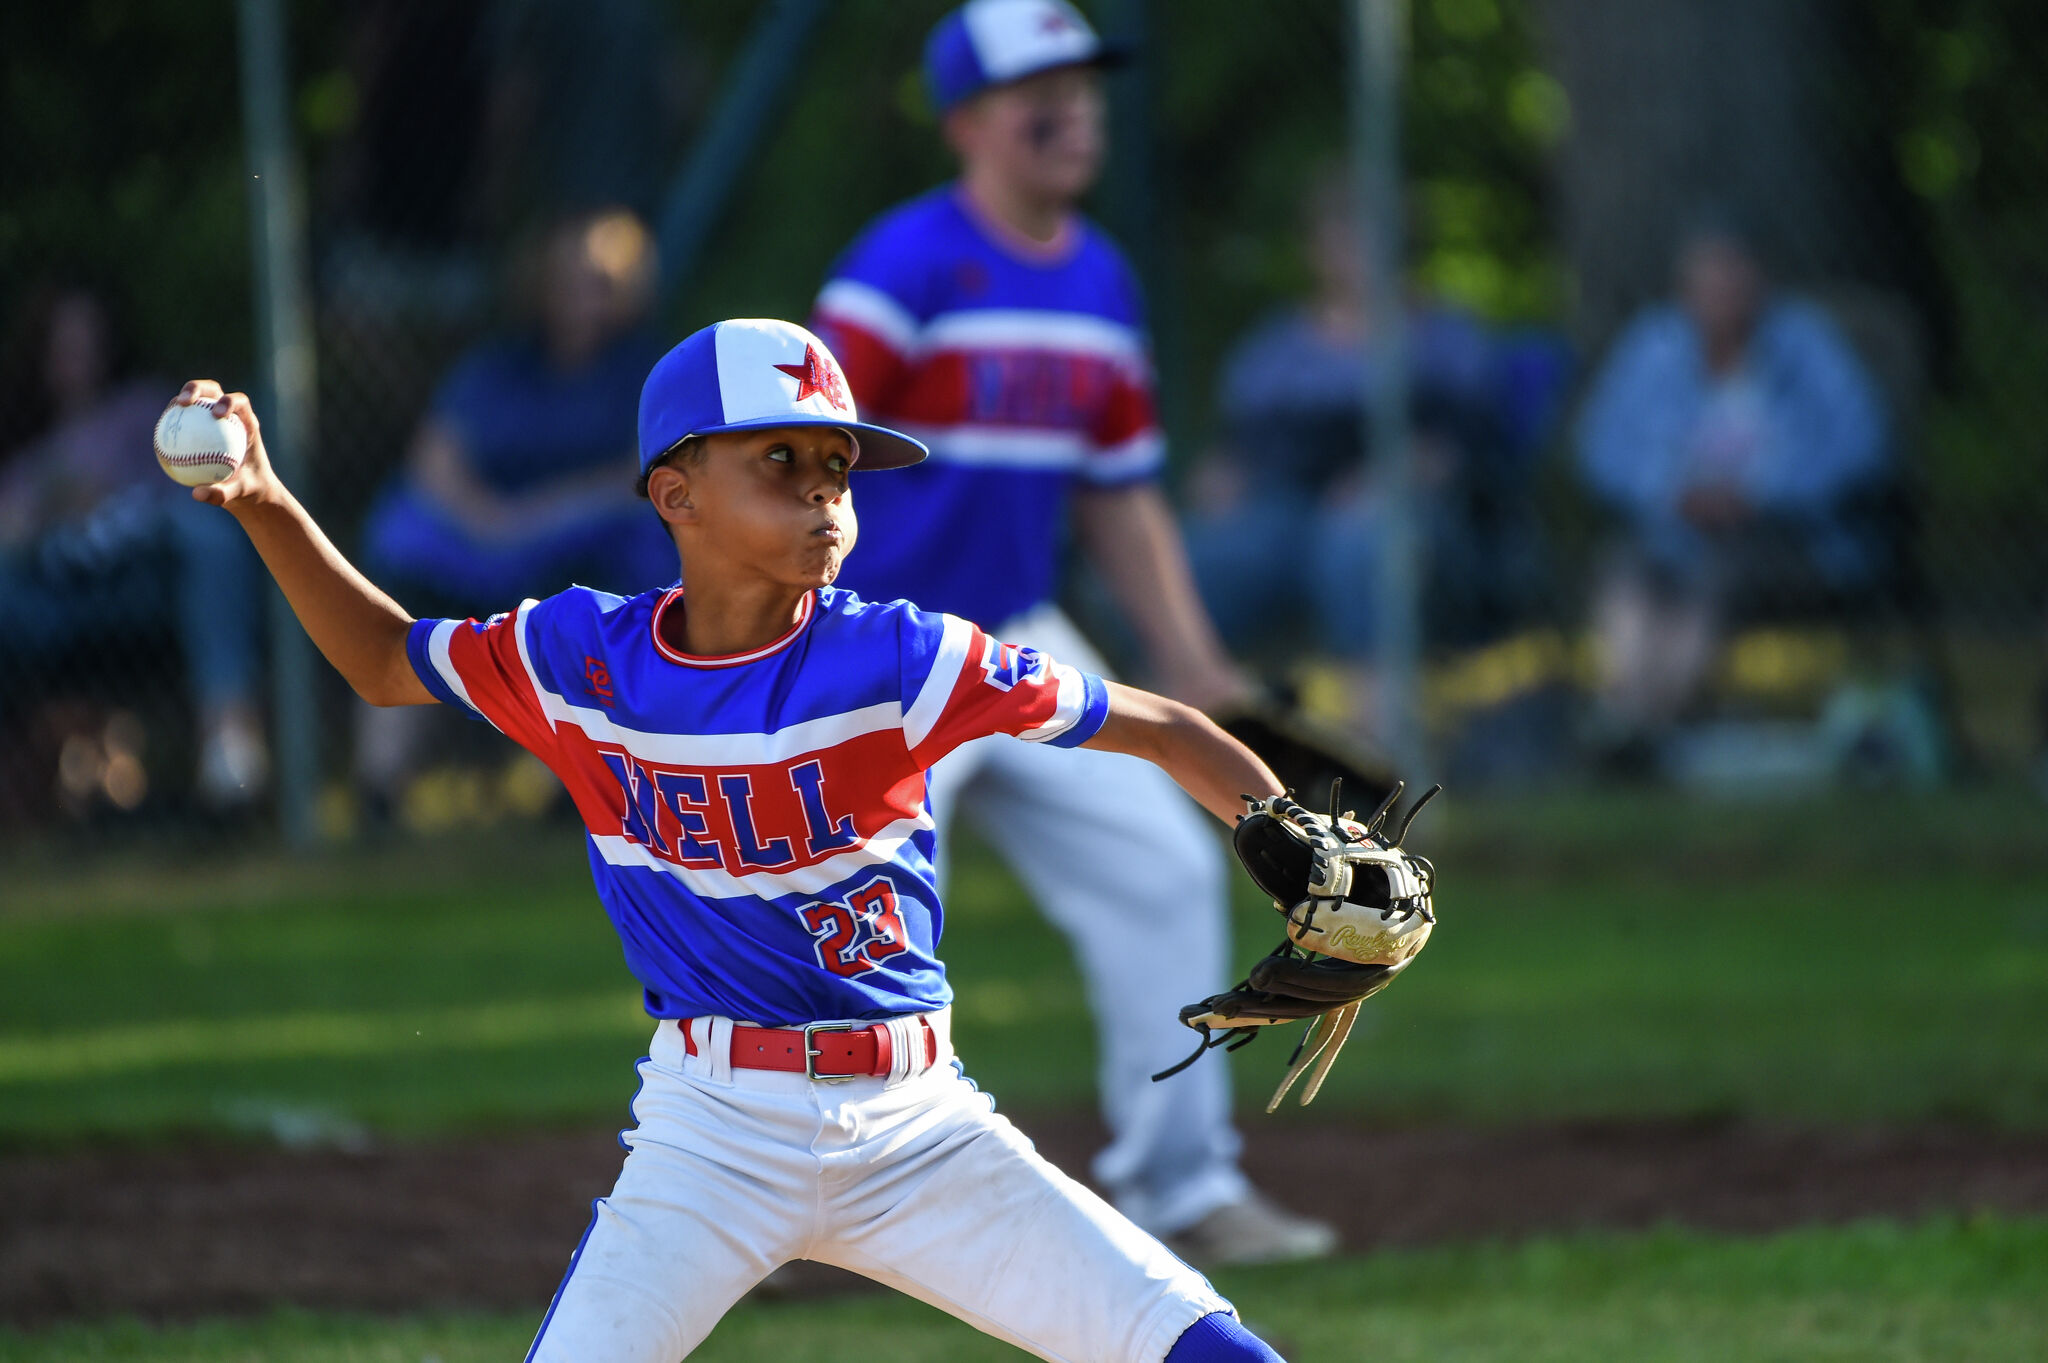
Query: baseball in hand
195, 447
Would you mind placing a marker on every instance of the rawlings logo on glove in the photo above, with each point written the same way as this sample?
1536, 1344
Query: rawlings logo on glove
1358, 911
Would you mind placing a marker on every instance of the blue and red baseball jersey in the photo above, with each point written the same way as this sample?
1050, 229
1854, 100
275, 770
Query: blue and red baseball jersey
1025, 371
758, 826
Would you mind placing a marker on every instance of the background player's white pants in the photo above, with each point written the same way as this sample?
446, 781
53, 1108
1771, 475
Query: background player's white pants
914, 1182
1130, 869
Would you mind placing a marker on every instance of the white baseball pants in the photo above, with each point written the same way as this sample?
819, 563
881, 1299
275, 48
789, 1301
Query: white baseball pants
912, 1180
1128, 867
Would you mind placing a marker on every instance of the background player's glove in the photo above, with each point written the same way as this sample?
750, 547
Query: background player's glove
1306, 754
1358, 910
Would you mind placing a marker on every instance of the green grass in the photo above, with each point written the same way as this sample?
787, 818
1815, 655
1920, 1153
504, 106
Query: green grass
1972, 1291
1594, 959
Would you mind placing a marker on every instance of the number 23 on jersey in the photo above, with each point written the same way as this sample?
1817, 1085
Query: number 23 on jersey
859, 933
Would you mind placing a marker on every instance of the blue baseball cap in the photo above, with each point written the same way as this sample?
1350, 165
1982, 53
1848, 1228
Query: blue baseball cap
752, 373
993, 42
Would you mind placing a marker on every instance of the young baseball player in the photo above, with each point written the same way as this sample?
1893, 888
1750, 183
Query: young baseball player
747, 749
992, 321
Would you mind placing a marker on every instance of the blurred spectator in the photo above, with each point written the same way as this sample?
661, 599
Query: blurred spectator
1731, 432
98, 549
520, 478
1291, 490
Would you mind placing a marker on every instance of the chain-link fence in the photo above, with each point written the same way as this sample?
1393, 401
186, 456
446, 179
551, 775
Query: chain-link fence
1720, 325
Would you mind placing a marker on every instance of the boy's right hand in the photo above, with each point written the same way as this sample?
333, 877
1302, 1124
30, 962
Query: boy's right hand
254, 483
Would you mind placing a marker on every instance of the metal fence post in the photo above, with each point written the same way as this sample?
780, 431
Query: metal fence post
1378, 31
749, 101
284, 350
1140, 206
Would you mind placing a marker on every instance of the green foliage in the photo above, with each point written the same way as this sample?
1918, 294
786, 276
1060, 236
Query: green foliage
123, 167
1944, 1292
1969, 130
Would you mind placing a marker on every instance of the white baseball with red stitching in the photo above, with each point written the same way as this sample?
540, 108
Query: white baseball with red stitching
195, 447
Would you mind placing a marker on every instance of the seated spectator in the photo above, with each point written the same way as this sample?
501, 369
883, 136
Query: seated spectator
520, 480
1729, 432
98, 548
1291, 489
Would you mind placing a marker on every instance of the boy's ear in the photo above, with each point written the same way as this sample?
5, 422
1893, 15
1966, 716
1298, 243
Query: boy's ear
958, 125
668, 487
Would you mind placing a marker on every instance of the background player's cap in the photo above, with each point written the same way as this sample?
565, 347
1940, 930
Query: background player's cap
992, 42
751, 373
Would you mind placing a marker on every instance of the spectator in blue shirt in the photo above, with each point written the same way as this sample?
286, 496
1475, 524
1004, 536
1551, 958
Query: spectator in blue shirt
1292, 489
98, 549
521, 476
1729, 433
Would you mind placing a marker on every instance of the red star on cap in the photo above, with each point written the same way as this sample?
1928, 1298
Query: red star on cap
816, 375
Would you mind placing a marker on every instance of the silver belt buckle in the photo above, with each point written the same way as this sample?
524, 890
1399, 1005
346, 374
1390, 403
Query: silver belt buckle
811, 1053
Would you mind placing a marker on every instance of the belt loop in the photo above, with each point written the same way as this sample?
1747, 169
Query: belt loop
715, 1048
906, 1049
694, 1060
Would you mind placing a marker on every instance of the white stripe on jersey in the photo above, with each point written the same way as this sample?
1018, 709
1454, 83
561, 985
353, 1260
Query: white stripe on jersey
1140, 454
1073, 700
868, 308
437, 654
717, 883
1033, 329
1003, 446
520, 620
930, 704
724, 750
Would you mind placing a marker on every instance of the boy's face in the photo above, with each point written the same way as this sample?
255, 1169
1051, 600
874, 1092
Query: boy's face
772, 503
1044, 134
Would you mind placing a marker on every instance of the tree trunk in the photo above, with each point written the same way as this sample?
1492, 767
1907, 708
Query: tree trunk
1769, 110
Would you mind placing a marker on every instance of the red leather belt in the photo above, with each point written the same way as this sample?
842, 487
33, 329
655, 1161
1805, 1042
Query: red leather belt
821, 1050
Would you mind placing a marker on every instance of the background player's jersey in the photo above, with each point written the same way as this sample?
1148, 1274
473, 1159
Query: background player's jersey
757, 822
1022, 372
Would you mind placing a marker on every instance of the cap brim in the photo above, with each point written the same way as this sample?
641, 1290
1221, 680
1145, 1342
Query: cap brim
880, 447
1116, 52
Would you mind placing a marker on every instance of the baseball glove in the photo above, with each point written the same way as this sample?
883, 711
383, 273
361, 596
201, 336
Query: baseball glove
1358, 911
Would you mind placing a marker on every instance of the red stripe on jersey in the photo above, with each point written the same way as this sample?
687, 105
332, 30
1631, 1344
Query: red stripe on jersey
874, 369
745, 819
934, 393
1126, 414
1024, 390
1001, 689
487, 659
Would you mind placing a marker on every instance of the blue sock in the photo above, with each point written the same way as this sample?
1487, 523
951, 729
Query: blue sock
1218, 1338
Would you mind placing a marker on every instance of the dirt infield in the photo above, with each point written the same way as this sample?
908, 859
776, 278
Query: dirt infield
219, 1229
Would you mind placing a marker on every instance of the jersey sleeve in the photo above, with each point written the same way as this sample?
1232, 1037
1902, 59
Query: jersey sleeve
1128, 446
484, 668
961, 683
869, 314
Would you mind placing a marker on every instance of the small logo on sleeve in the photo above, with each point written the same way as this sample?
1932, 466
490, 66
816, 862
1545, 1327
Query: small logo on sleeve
1004, 666
597, 680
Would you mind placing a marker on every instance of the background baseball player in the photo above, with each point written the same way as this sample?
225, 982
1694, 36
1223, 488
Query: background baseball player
749, 761
1004, 330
